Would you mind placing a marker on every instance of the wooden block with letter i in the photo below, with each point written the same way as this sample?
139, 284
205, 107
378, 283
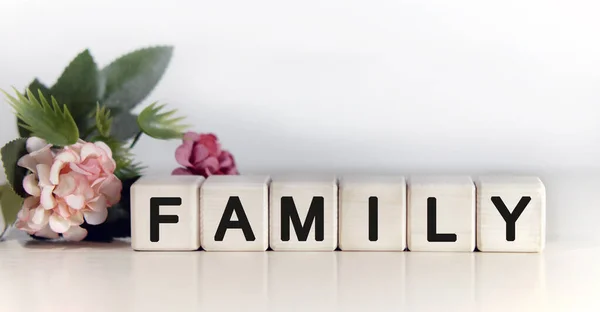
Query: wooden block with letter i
165, 213
441, 213
372, 213
303, 213
234, 213
511, 214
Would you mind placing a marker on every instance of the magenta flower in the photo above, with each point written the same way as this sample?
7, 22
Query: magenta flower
201, 154
67, 186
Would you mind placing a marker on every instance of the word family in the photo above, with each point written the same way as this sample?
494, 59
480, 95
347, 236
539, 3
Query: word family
353, 213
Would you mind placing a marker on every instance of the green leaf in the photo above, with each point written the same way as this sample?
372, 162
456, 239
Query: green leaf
43, 120
11, 153
103, 120
35, 86
130, 78
125, 126
79, 87
160, 125
10, 204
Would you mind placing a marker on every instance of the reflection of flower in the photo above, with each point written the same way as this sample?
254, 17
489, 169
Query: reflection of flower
201, 154
74, 184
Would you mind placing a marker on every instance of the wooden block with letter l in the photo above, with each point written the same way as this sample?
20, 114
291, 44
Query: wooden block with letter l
441, 213
511, 214
372, 213
165, 213
303, 213
234, 213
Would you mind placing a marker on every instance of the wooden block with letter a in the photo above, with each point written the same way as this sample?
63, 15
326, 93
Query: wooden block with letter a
441, 213
234, 213
372, 213
511, 214
304, 213
165, 213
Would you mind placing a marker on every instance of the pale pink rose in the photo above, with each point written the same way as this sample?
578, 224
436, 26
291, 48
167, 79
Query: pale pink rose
201, 154
67, 187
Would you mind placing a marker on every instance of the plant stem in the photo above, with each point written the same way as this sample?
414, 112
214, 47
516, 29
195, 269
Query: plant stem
137, 137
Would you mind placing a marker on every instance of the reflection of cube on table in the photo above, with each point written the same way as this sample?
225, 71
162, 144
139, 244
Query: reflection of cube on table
165, 213
511, 214
234, 213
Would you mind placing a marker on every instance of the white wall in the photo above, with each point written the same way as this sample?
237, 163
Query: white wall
338, 85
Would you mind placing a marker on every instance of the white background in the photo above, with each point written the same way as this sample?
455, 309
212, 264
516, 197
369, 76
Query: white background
343, 86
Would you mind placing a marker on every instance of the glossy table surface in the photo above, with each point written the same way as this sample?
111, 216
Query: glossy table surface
42, 276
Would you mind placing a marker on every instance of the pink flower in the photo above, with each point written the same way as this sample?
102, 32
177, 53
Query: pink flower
201, 154
67, 187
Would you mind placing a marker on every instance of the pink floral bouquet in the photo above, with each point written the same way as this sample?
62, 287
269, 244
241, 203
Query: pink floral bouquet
70, 171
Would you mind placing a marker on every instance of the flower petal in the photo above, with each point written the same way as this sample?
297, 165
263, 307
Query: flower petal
75, 201
66, 185
181, 171
191, 136
28, 162
43, 172
58, 224
98, 203
30, 184
89, 150
95, 217
75, 234
76, 218
101, 145
111, 188
47, 198
34, 143
40, 216
43, 156
46, 232
183, 154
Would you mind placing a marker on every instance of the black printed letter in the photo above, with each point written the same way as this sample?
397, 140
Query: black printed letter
316, 213
432, 235
234, 204
511, 218
373, 219
156, 218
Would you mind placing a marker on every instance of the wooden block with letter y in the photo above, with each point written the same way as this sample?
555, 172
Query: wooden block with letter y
304, 213
511, 214
165, 213
234, 213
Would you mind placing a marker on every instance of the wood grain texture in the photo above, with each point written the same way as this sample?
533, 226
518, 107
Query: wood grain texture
180, 236
303, 189
389, 194
530, 227
253, 194
455, 212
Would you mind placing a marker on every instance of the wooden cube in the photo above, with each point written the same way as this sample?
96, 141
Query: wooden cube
165, 213
234, 213
304, 213
441, 213
372, 213
511, 214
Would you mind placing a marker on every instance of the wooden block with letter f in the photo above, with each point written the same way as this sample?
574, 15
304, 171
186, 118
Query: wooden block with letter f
303, 213
234, 213
511, 214
165, 213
